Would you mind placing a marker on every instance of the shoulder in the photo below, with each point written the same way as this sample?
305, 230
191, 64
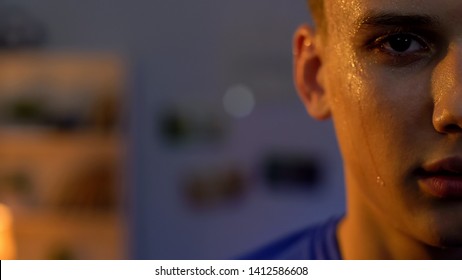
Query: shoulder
317, 242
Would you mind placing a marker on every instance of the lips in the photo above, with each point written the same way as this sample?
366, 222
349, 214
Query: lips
443, 178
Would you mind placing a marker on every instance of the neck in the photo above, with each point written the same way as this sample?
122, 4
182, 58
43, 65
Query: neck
365, 234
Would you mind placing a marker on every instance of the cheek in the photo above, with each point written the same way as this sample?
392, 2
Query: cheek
395, 110
347, 93
379, 115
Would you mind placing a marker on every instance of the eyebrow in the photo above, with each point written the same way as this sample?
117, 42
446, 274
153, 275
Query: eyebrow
374, 19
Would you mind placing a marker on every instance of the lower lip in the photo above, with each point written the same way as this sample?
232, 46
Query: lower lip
443, 186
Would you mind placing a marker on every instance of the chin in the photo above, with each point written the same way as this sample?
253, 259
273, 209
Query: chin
446, 232
449, 241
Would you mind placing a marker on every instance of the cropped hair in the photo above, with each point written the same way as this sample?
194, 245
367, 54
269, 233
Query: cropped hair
317, 11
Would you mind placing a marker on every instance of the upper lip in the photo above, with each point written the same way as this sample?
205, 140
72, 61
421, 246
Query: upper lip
446, 166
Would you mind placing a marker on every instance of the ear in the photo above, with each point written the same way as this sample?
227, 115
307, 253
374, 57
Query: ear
308, 73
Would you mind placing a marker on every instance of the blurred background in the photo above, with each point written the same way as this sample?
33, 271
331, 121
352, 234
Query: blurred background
150, 129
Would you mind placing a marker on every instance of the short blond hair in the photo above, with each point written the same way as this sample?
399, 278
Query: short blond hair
317, 11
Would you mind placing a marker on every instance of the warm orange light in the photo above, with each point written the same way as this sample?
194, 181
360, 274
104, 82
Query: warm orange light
7, 246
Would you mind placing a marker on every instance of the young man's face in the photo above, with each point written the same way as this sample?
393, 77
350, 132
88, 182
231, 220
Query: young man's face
391, 73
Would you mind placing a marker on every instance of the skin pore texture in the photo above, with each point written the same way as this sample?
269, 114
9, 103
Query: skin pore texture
389, 74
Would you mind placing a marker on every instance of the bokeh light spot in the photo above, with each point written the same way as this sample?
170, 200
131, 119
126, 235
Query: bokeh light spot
239, 101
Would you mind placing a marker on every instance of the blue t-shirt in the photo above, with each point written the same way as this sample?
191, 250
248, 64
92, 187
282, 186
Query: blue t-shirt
317, 242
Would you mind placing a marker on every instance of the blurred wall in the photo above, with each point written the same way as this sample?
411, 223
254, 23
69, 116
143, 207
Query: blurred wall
186, 54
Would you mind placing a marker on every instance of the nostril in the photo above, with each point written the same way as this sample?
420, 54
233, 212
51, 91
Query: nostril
452, 128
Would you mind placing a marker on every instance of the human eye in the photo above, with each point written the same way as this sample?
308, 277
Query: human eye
402, 44
402, 48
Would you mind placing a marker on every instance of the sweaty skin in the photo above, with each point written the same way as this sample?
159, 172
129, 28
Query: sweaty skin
393, 112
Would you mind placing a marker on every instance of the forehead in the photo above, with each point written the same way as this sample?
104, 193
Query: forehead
345, 13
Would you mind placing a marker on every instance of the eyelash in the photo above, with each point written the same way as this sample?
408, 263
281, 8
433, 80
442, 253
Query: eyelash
385, 54
380, 43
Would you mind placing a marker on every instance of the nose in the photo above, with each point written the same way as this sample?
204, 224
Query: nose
447, 92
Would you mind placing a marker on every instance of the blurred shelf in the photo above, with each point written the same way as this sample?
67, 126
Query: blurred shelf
33, 142
33, 218
57, 181
58, 235
19, 68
